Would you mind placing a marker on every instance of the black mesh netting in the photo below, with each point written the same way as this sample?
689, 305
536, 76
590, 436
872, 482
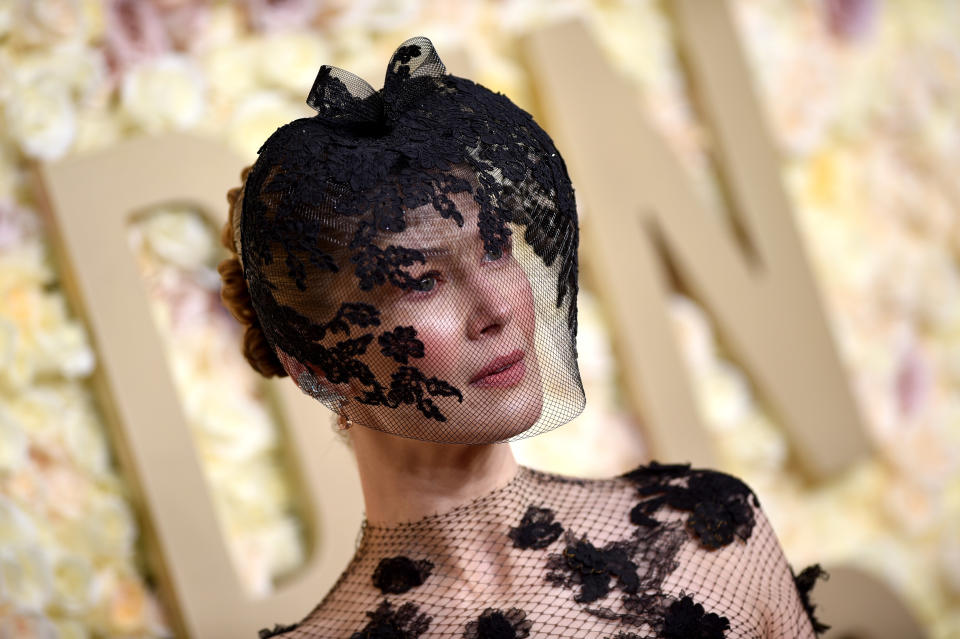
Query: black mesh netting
411, 254
664, 551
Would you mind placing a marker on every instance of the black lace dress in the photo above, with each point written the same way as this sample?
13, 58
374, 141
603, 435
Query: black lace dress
663, 551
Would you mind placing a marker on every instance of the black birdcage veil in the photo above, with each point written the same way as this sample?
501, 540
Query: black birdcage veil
411, 255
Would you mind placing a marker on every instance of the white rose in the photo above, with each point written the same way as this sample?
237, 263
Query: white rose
86, 442
40, 117
25, 625
237, 430
913, 507
179, 236
73, 583
232, 69
25, 577
109, 527
43, 23
16, 526
68, 350
6, 17
290, 60
724, 395
71, 629
167, 92
692, 327
284, 541
258, 116
97, 129
127, 601
754, 442
13, 452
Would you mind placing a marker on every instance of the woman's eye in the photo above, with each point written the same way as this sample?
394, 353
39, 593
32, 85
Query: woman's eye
426, 283
496, 254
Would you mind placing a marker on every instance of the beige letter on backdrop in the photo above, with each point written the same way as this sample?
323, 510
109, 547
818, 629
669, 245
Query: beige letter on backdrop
636, 194
91, 200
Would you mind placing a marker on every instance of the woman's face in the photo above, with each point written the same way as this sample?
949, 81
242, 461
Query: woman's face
473, 311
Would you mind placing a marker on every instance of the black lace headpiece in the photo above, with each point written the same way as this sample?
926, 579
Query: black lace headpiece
411, 254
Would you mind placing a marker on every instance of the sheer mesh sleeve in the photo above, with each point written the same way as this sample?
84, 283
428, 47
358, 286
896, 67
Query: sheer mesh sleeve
664, 551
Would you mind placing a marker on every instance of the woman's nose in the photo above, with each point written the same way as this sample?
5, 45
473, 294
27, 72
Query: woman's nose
491, 307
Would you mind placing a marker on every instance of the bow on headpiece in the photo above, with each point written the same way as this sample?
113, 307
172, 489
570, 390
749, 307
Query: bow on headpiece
341, 97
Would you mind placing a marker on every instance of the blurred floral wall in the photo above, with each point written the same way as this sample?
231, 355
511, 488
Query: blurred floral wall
861, 95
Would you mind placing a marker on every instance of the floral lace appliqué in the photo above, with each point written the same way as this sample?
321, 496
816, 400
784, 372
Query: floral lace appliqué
277, 629
720, 507
406, 622
497, 624
688, 620
397, 575
592, 569
537, 529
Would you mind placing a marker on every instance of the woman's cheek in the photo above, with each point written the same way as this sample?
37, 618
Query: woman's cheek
441, 335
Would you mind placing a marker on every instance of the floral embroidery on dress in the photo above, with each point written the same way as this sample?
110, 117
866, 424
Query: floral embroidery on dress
804, 583
497, 624
688, 620
397, 575
721, 506
592, 569
406, 622
537, 529
277, 629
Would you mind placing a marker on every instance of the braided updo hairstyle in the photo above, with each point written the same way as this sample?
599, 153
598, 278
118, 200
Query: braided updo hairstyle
236, 295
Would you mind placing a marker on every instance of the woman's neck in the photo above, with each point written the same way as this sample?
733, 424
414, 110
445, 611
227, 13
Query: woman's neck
404, 480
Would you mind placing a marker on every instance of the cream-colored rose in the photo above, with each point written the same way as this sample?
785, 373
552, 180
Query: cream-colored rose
232, 69
13, 451
40, 117
16, 525
755, 442
692, 328
73, 583
258, 116
724, 395
86, 442
44, 23
26, 625
914, 508
25, 577
127, 601
290, 60
71, 629
167, 92
97, 129
283, 539
109, 527
179, 236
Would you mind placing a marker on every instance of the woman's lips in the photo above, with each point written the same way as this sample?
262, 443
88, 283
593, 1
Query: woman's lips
502, 372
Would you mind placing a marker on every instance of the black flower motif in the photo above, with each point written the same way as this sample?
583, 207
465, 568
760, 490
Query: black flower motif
401, 343
688, 620
277, 630
397, 575
804, 583
721, 506
497, 624
407, 622
537, 529
592, 568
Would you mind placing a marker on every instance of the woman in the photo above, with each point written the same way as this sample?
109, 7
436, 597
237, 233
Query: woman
409, 257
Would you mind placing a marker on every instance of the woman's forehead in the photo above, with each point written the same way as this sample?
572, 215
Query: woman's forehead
428, 231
